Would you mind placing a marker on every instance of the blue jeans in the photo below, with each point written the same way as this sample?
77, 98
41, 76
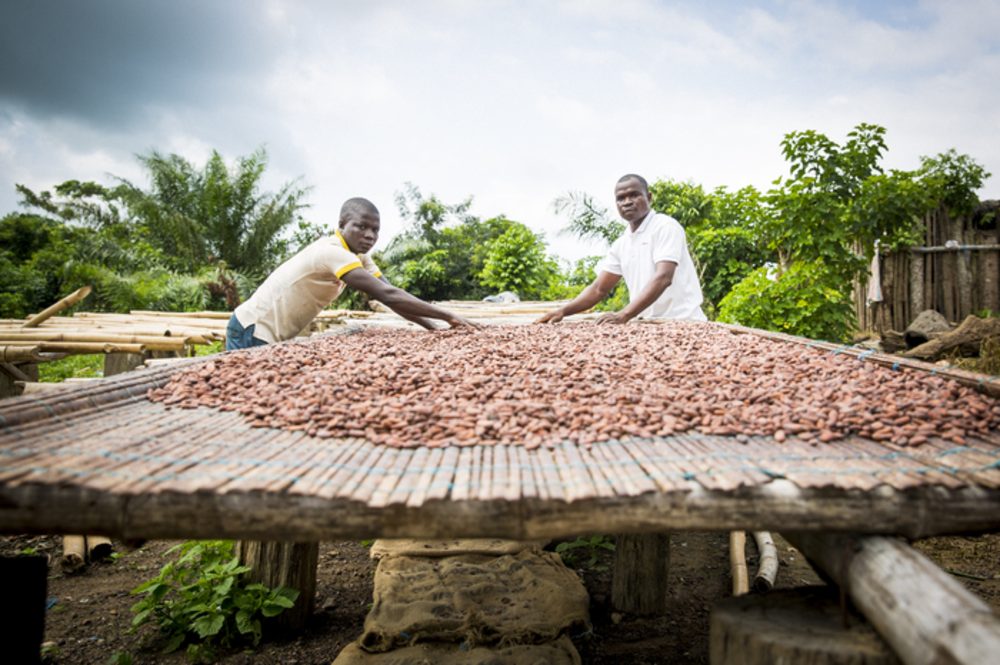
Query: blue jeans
238, 337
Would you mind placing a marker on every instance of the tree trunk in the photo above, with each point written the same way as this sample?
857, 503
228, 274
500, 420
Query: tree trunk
803, 625
292, 565
639, 581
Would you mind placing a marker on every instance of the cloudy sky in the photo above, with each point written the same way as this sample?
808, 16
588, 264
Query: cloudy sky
513, 103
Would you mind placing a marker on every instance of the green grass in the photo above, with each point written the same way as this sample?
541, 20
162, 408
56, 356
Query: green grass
91, 365
71, 367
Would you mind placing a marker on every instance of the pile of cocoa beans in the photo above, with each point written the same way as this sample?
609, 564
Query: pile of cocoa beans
540, 385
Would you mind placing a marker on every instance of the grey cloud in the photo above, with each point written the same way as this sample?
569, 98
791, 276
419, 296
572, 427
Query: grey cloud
105, 61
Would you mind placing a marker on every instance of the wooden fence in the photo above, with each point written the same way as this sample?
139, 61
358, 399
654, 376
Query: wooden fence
956, 271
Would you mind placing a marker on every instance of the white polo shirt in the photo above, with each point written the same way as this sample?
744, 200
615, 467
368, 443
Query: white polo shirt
299, 289
634, 256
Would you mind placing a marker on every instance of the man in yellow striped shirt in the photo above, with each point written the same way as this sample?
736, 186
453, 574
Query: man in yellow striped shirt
292, 296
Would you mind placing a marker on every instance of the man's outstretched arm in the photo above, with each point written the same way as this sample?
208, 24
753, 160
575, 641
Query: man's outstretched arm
663, 278
595, 292
402, 303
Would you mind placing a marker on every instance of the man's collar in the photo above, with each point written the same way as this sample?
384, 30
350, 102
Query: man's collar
644, 224
343, 242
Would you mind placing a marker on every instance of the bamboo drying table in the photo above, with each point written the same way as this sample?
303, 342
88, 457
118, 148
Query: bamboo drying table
103, 459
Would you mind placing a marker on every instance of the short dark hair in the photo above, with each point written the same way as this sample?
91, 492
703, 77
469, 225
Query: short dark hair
356, 206
633, 176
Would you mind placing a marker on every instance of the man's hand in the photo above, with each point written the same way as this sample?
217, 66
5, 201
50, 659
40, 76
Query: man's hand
459, 322
613, 317
555, 316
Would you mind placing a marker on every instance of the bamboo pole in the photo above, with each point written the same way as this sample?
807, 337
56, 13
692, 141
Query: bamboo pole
191, 315
925, 615
98, 547
738, 562
13, 354
90, 347
65, 303
152, 342
767, 570
74, 556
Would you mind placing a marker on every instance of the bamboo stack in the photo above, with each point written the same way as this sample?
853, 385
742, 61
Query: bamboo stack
92, 332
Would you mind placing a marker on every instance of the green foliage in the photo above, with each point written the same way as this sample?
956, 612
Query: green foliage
445, 251
120, 658
196, 239
686, 202
799, 301
954, 178
722, 231
202, 600
429, 215
516, 261
199, 217
72, 367
588, 220
585, 551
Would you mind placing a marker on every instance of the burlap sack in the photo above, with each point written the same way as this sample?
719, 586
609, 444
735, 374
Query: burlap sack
525, 598
558, 652
384, 547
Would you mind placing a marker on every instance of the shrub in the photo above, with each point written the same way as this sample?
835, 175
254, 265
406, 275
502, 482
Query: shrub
203, 600
804, 300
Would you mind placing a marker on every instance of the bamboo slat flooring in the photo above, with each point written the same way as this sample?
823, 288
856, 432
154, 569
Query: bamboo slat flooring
192, 458
101, 458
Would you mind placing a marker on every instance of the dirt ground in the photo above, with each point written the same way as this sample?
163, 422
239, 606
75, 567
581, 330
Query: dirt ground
89, 612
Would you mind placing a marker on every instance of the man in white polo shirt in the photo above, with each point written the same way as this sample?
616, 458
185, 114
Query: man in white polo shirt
652, 255
292, 295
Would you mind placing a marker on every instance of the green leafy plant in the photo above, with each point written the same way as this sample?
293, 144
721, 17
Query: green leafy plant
799, 301
120, 658
203, 600
516, 261
585, 551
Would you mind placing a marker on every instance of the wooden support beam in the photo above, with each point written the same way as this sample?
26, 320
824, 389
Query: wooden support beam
924, 614
639, 578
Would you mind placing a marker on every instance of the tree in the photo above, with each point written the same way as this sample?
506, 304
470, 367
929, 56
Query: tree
824, 221
180, 245
199, 218
588, 220
516, 261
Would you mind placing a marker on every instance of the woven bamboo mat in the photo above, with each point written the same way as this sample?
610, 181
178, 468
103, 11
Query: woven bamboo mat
103, 457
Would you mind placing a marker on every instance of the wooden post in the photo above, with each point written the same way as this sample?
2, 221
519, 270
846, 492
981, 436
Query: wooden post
116, 363
292, 565
639, 578
988, 275
925, 615
10, 374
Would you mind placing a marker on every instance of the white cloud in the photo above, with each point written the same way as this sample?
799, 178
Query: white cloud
517, 104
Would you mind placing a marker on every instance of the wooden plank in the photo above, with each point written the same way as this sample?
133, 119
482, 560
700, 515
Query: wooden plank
778, 506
